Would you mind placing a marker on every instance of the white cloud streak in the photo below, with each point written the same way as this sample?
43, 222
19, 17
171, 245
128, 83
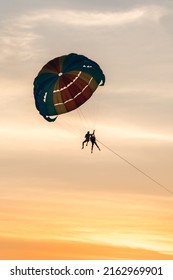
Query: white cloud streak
16, 41
20, 34
82, 18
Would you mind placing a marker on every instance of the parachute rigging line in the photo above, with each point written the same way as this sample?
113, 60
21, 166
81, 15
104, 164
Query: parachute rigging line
132, 165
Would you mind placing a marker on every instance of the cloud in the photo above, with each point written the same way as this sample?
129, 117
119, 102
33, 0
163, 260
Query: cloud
83, 18
21, 34
13, 248
16, 40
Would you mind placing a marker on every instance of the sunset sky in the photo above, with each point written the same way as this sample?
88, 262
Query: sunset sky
56, 200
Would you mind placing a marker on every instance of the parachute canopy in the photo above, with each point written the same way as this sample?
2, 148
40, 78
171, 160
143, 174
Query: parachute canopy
65, 83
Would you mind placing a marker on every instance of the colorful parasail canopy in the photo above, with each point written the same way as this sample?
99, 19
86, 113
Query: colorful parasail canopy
65, 83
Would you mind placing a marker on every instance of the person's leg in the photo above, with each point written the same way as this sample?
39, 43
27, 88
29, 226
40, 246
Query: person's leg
97, 146
92, 147
83, 143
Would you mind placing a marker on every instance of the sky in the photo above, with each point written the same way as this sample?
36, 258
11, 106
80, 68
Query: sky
56, 200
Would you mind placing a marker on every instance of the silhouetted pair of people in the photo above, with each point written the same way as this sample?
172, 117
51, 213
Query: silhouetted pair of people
92, 138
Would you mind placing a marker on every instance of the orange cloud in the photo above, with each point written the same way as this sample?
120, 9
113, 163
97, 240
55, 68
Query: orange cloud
24, 249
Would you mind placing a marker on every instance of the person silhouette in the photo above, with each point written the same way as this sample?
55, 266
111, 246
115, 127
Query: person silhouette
87, 138
93, 141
